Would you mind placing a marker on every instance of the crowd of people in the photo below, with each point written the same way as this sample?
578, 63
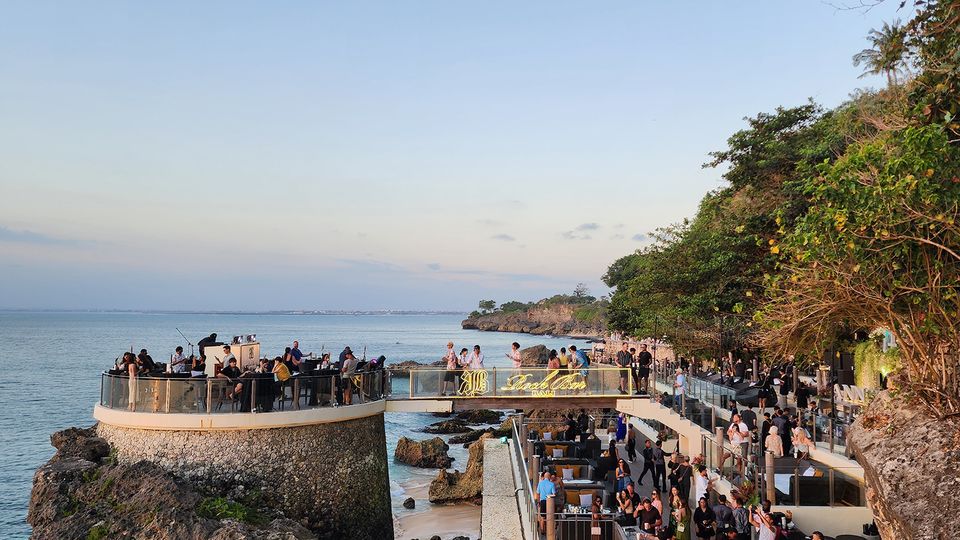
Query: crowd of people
275, 373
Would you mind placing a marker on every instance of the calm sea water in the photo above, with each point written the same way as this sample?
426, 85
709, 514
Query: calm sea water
53, 363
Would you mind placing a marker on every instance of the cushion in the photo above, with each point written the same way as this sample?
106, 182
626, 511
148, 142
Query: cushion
567, 473
557, 452
586, 499
547, 436
573, 496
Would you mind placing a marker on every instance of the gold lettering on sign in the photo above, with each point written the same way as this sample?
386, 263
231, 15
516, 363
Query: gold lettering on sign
548, 386
473, 383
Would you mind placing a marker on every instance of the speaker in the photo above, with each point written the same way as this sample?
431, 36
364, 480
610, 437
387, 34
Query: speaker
845, 376
845, 362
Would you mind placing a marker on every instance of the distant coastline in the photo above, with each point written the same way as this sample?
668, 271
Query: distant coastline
232, 312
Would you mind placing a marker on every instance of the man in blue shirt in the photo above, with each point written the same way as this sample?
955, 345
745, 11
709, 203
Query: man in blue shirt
545, 489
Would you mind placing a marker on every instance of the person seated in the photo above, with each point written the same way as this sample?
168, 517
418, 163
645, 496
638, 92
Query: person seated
147, 365
198, 368
232, 374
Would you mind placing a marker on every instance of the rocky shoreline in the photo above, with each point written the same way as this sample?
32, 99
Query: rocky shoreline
560, 320
84, 492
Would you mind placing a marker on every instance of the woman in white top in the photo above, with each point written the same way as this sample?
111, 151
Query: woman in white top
774, 442
514, 355
801, 442
476, 358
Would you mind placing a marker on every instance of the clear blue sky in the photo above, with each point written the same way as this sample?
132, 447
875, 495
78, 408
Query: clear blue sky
366, 155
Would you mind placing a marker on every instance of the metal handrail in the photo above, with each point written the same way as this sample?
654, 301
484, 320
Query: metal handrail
161, 393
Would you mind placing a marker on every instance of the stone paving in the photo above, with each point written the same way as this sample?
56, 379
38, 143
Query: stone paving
500, 519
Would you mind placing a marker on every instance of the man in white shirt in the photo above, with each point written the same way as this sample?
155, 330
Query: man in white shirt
227, 356
739, 436
514, 355
178, 361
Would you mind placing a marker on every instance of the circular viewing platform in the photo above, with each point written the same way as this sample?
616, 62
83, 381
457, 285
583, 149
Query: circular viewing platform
254, 401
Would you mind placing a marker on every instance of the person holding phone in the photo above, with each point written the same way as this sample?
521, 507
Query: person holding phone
763, 523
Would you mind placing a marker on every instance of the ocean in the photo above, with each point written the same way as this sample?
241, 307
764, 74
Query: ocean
53, 363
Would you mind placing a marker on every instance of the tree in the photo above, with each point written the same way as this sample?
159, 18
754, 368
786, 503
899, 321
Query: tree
888, 53
581, 290
486, 306
879, 247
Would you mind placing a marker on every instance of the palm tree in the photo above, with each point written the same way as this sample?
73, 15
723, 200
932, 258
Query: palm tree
888, 53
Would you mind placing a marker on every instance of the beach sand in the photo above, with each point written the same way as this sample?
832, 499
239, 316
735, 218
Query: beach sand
446, 521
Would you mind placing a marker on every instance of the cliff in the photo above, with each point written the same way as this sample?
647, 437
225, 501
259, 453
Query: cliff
581, 321
83, 492
909, 461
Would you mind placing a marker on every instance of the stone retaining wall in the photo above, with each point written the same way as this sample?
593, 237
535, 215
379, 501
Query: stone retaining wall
331, 476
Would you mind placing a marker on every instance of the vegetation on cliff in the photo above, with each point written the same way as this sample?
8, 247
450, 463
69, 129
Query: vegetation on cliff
831, 221
578, 314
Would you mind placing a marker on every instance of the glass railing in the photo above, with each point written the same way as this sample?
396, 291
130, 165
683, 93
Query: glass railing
796, 482
431, 383
251, 392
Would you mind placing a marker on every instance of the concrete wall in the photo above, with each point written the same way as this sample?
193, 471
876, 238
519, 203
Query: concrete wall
331, 475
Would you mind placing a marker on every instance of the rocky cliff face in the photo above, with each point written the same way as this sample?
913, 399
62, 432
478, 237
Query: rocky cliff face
466, 486
910, 462
429, 454
556, 320
82, 492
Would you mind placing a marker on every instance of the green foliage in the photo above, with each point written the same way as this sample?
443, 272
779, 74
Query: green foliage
514, 306
100, 531
222, 508
870, 362
486, 306
591, 313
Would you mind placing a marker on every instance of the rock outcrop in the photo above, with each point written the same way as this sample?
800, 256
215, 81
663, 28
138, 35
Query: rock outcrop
466, 486
480, 416
555, 320
909, 461
407, 365
430, 454
446, 427
535, 356
83, 493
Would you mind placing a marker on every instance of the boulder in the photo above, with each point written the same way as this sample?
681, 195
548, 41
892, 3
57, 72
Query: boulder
456, 486
429, 454
409, 503
480, 416
534, 356
80, 443
909, 461
469, 437
446, 427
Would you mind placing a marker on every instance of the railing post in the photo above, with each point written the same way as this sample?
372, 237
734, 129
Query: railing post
830, 426
551, 517
209, 395
534, 472
296, 393
253, 395
713, 418
411, 372
494, 382
771, 490
718, 440
166, 404
796, 486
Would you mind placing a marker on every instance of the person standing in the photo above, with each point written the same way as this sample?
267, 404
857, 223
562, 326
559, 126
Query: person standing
514, 355
680, 388
703, 483
545, 489
623, 361
631, 446
347, 372
741, 519
739, 437
774, 443
641, 372
705, 520
553, 362
564, 359
684, 474
647, 454
131, 368
450, 375
476, 358
659, 468
723, 513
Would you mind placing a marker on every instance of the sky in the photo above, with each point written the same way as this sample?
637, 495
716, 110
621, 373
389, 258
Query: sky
375, 155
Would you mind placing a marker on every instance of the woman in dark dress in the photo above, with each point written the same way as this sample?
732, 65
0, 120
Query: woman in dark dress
705, 519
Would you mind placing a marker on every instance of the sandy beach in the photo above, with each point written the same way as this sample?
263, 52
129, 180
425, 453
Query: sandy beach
446, 521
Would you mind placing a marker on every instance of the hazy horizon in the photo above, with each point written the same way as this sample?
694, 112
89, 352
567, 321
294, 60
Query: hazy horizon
375, 155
